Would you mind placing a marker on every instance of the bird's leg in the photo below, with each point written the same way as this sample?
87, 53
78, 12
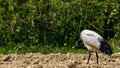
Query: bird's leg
97, 57
89, 57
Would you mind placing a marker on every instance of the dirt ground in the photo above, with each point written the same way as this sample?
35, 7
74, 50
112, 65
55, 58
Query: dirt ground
70, 60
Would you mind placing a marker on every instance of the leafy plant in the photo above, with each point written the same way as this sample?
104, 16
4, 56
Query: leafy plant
46, 25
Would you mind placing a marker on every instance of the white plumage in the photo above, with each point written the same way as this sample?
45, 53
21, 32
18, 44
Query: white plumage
90, 40
93, 42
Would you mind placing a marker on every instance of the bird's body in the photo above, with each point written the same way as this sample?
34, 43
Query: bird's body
90, 40
94, 42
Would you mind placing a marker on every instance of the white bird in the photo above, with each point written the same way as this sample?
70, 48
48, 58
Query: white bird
93, 42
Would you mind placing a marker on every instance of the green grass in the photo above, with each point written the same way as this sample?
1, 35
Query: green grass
116, 49
115, 44
21, 48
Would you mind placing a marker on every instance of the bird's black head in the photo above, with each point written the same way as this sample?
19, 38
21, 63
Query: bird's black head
108, 51
105, 48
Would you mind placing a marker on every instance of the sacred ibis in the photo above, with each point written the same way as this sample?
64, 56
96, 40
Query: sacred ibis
93, 42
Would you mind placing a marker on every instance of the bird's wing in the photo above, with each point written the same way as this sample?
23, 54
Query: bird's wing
91, 40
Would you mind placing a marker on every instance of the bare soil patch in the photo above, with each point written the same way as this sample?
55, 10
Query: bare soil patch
70, 60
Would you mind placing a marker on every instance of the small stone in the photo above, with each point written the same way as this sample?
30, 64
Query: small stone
6, 58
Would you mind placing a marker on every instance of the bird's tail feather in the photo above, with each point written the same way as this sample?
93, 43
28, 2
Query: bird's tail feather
77, 44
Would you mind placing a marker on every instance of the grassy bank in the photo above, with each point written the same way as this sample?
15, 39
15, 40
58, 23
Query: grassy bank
66, 48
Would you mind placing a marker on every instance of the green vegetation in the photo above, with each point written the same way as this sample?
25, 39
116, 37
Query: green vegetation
52, 25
